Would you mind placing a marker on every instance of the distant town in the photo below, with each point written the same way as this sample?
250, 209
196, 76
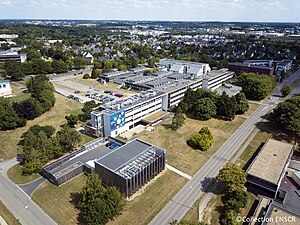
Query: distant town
149, 122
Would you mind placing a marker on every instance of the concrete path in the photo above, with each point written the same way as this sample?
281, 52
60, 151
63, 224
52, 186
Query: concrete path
30, 187
178, 172
2, 221
7, 164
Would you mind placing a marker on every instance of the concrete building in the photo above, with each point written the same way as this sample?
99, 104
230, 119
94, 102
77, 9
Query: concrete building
131, 166
269, 167
12, 55
5, 89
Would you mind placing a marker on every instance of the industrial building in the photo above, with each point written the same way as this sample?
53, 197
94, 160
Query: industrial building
159, 92
269, 167
131, 166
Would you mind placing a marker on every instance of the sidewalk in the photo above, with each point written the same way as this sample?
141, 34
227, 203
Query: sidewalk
2, 221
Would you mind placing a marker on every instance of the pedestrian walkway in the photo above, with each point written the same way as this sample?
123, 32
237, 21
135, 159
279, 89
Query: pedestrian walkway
178, 171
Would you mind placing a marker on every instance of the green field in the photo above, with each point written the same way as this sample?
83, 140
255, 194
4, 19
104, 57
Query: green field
179, 154
15, 174
56, 201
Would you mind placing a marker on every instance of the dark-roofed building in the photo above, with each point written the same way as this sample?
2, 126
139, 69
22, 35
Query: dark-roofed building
131, 166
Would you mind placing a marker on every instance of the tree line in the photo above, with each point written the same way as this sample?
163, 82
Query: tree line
15, 114
40, 144
205, 104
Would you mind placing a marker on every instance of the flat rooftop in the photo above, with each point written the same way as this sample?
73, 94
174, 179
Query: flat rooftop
277, 213
130, 158
229, 90
271, 161
85, 157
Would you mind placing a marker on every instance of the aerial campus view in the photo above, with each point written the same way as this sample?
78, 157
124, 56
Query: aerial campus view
150, 112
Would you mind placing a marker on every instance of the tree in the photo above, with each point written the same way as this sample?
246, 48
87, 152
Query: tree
256, 87
97, 204
229, 218
68, 138
242, 103
94, 73
59, 66
27, 109
86, 110
232, 177
86, 76
13, 69
72, 120
178, 119
286, 90
287, 115
202, 140
227, 107
205, 109
9, 119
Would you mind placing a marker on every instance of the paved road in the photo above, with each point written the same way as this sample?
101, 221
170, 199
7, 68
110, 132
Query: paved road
187, 196
21, 205
29, 188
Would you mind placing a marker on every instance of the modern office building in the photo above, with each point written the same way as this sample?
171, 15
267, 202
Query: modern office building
159, 92
131, 166
12, 55
5, 89
285, 64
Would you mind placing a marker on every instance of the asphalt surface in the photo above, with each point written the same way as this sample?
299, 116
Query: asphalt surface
30, 187
23, 208
187, 196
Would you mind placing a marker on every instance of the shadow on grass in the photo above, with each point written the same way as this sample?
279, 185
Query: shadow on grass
75, 201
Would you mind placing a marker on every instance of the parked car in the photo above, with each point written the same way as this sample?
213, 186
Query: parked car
113, 145
107, 92
76, 92
108, 144
70, 96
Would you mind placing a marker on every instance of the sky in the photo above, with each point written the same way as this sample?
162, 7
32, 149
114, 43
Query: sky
167, 10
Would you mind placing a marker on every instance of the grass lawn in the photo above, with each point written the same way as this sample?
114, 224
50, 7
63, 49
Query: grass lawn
254, 146
55, 117
179, 154
193, 214
138, 211
252, 107
7, 215
15, 174
85, 139
55, 201
143, 208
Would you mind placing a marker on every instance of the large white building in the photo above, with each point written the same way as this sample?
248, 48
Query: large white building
162, 91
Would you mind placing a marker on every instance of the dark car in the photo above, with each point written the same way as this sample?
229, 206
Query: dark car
70, 96
112, 146
76, 92
107, 92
